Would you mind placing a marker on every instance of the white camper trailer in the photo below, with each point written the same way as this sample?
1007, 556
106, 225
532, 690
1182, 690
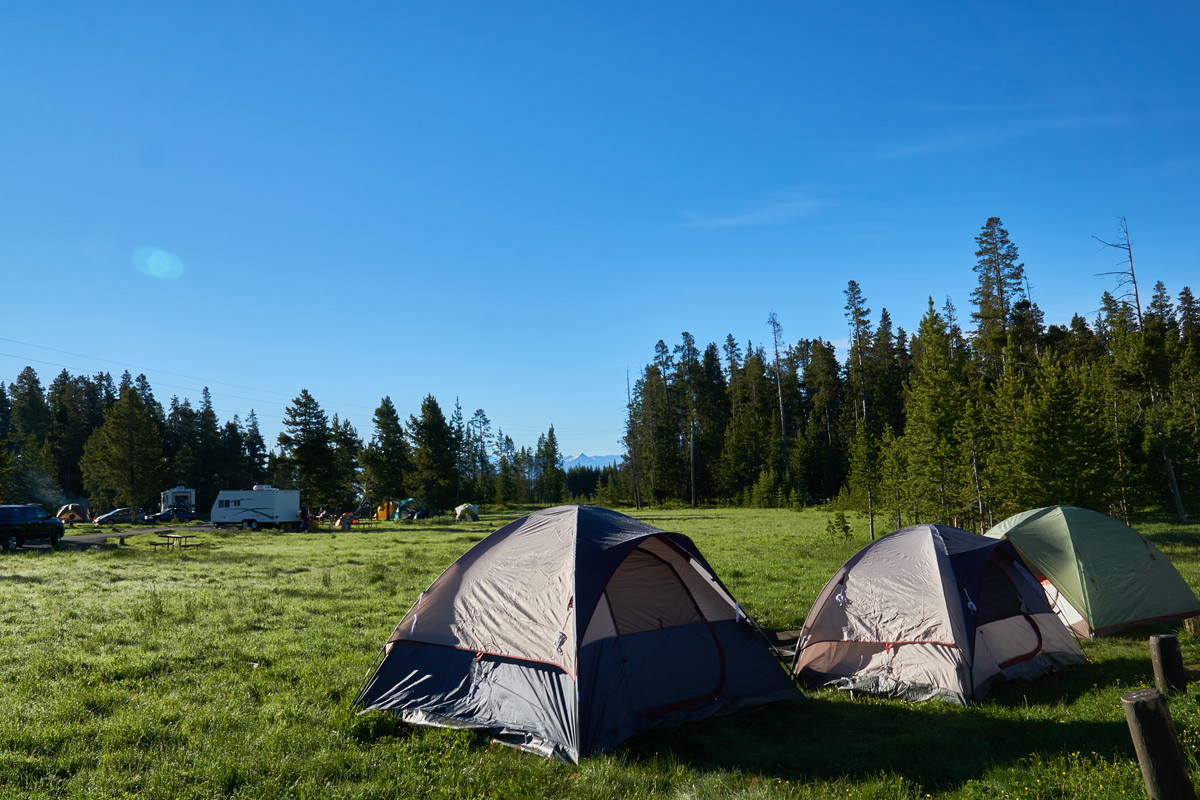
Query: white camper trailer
179, 497
260, 507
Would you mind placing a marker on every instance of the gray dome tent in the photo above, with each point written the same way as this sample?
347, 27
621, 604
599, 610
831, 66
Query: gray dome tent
931, 611
570, 630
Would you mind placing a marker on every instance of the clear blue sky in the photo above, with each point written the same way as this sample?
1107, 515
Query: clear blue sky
510, 203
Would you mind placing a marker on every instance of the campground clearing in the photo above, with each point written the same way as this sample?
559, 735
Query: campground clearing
229, 670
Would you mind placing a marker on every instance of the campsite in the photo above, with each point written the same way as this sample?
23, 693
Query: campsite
231, 670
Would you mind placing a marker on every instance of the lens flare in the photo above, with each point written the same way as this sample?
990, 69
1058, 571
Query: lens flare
158, 263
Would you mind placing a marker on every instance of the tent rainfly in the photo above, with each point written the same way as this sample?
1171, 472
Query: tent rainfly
928, 612
570, 630
1099, 574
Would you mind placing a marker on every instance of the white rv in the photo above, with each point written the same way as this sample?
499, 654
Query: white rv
179, 497
260, 507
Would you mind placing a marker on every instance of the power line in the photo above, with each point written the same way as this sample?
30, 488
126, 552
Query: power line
154, 370
134, 366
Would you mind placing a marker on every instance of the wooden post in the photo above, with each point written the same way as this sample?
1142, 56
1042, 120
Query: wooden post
1158, 750
1192, 624
1167, 660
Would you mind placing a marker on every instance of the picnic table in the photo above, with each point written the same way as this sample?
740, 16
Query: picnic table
176, 540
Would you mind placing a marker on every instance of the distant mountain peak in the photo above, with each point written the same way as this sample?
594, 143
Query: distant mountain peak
584, 460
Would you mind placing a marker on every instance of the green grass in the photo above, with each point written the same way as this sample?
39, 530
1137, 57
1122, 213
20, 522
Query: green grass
228, 671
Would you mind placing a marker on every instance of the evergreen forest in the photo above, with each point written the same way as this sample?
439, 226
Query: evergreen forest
963, 421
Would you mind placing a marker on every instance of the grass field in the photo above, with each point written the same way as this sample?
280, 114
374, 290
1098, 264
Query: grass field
228, 670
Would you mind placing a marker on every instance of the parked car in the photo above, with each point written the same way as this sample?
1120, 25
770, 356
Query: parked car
19, 524
118, 515
181, 514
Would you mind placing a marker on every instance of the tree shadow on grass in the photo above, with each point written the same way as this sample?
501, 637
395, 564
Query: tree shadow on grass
668, 517
373, 726
1174, 537
21, 579
1071, 684
935, 745
1180, 547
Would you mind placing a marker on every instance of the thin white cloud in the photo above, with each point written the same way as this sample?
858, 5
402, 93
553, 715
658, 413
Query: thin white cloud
781, 207
994, 134
1184, 165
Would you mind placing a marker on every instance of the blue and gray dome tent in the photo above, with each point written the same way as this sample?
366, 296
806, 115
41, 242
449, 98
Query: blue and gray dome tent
570, 630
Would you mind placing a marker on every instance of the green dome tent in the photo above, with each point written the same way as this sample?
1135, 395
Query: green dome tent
1100, 575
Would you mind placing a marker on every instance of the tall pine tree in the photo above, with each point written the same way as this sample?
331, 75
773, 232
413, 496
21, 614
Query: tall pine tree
385, 460
935, 398
122, 460
433, 477
306, 454
1001, 284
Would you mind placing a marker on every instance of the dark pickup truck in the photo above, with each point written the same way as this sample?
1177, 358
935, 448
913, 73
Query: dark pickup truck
19, 524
